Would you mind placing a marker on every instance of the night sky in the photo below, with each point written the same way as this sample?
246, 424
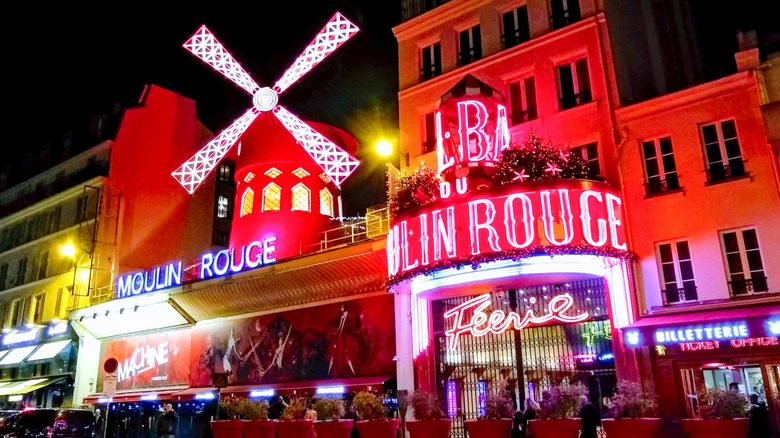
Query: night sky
70, 64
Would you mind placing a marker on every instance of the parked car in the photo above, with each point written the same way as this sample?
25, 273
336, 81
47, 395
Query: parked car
52, 423
73, 423
6, 420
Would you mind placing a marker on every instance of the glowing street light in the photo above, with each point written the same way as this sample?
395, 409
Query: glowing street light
384, 148
68, 250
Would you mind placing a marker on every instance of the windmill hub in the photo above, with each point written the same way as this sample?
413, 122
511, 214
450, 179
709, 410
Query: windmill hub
265, 99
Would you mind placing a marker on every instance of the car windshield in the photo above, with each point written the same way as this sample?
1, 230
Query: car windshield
77, 418
37, 418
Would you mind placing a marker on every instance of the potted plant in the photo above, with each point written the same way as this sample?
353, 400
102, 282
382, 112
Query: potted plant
633, 413
372, 416
429, 421
232, 427
497, 422
331, 424
294, 422
256, 423
559, 413
722, 415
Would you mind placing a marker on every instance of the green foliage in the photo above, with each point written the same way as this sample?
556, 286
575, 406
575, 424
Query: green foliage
369, 406
426, 406
231, 406
253, 409
632, 401
499, 406
538, 159
719, 403
330, 408
562, 401
295, 409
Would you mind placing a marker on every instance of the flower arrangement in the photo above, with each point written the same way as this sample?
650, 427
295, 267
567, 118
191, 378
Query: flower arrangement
329, 409
426, 406
562, 401
536, 159
369, 406
633, 401
720, 403
296, 409
414, 189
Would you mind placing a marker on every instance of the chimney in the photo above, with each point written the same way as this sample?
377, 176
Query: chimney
747, 57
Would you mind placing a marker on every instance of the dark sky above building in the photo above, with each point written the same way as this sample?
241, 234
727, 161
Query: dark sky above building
67, 64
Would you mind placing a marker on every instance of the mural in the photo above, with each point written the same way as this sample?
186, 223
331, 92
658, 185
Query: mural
341, 340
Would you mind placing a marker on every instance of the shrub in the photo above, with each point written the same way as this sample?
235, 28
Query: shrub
632, 401
561, 402
329, 409
499, 406
253, 409
231, 406
719, 403
369, 406
426, 406
295, 409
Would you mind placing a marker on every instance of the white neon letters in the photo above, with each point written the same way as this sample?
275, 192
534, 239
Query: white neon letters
444, 233
566, 217
476, 225
510, 220
143, 359
585, 217
472, 143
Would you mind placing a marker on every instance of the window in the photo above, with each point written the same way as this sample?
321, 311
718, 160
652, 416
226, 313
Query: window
516, 28
660, 167
301, 198
43, 264
3, 275
721, 145
81, 208
470, 45
222, 207
677, 281
523, 100
21, 271
36, 309
573, 84
225, 172
431, 61
247, 202
429, 127
326, 203
324, 178
272, 197
272, 173
250, 176
61, 306
564, 13
14, 313
55, 219
743, 261
300, 173
590, 154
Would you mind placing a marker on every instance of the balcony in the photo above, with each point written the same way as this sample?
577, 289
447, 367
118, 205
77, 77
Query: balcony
574, 100
747, 286
413, 8
718, 172
523, 116
660, 186
685, 294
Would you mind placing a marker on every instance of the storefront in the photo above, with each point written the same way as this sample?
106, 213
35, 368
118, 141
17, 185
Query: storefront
735, 349
37, 366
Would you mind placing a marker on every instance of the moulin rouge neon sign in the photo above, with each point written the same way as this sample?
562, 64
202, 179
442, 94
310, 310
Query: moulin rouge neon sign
475, 142
499, 321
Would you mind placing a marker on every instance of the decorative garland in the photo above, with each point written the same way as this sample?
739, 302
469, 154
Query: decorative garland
514, 254
414, 189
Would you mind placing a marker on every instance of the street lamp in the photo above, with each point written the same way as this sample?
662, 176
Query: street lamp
68, 250
384, 148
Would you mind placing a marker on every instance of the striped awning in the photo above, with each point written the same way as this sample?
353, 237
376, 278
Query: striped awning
24, 386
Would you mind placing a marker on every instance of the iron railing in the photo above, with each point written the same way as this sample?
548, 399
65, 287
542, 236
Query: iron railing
685, 294
573, 100
747, 286
375, 224
523, 116
656, 186
720, 172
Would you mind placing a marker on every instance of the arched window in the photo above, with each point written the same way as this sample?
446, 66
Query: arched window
301, 198
247, 202
326, 203
272, 197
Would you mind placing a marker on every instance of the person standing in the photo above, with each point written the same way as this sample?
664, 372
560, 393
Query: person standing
167, 423
759, 425
591, 419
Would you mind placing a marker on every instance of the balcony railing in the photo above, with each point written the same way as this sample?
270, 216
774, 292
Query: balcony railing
720, 172
564, 18
573, 100
679, 295
657, 186
523, 116
375, 224
748, 286
413, 8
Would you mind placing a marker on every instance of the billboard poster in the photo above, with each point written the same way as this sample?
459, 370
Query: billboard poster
155, 360
341, 340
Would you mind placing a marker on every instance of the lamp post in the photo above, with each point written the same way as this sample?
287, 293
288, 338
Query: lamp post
385, 149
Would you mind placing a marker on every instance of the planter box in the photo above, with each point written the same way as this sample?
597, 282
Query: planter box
295, 429
430, 428
567, 428
259, 428
632, 427
489, 428
736, 428
334, 429
227, 428
378, 428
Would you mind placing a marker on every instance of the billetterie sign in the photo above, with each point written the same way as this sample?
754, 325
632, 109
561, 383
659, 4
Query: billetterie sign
212, 264
513, 217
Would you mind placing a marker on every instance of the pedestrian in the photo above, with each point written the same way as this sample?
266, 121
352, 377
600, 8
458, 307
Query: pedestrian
591, 419
759, 425
529, 413
167, 423
99, 420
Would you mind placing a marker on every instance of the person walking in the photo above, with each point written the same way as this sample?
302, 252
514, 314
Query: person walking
167, 423
529, 413
759, 425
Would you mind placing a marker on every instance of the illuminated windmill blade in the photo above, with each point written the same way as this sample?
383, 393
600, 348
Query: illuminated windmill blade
334, 161
194, 171
335, 33
205, 46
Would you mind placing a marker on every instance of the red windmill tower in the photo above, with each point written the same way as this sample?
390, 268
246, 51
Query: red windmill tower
288, 173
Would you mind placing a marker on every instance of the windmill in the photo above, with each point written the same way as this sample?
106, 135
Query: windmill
335, 162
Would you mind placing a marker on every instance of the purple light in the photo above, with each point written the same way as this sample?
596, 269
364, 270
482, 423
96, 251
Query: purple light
482, 390
452, 398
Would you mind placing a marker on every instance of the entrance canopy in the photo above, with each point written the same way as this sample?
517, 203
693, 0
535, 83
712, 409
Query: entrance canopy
24, 386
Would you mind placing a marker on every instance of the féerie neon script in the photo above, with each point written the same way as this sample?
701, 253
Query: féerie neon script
500, 321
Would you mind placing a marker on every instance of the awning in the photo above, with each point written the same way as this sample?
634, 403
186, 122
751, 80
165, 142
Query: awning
310, 387
16, 355
48, 350
25, 386
708, 316
135, 395
193, 393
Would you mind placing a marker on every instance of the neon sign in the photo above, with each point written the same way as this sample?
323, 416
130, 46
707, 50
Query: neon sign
149, 281
718, 331
499, 321
510, 218
249, 257
144, 359
20, 337
480, 135
755, 342
591, 332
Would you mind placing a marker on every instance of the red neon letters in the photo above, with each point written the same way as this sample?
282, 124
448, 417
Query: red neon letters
480, 137
499, 321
